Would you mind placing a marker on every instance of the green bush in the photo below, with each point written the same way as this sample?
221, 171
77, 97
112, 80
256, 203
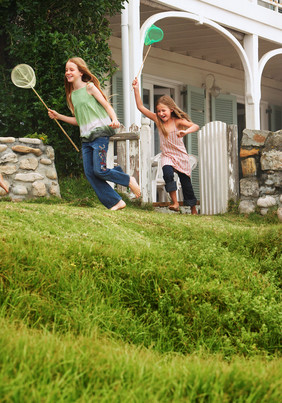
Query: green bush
40, 136
44, 35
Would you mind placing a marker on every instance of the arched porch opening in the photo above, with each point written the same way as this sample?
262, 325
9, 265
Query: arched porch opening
218, 28
274, 108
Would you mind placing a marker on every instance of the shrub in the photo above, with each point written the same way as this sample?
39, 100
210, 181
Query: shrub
44, 35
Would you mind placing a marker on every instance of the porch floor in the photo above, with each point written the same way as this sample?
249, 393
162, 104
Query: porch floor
162, 207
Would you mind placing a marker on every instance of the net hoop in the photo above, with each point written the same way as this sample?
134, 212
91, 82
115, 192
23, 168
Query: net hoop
23, 76
153, 34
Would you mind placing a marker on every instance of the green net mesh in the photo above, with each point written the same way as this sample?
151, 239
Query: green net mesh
153, 34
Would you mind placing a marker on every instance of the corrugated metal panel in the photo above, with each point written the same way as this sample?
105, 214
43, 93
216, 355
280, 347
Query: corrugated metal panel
213, 165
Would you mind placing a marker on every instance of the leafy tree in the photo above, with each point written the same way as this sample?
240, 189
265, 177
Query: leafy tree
44, 34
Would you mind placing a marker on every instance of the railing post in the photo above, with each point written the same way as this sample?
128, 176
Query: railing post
145, 161
110, 155
121, 159
233, 162
110, 158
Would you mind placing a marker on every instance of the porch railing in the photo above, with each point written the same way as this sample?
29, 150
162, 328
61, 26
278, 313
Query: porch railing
219, 171
275, 5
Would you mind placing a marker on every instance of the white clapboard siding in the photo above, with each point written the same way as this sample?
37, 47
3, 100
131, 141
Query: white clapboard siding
212, 143
196, 111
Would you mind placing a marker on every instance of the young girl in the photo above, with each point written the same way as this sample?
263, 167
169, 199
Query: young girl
173, 124
3, 185
97, 121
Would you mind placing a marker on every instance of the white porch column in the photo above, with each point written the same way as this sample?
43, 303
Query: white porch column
145, 178
135, 58
125, 65
125, 75
252, 107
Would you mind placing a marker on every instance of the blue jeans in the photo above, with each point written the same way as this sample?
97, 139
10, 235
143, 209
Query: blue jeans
189, 198
94, 156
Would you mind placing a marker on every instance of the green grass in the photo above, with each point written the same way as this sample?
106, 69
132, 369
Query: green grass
135, 305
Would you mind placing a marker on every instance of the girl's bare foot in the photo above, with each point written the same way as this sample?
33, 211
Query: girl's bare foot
194, 210
134, 187
174, 207
3, 185
120, 205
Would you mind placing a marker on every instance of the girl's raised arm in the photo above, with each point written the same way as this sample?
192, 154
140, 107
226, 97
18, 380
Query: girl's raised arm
151, 115
93, 90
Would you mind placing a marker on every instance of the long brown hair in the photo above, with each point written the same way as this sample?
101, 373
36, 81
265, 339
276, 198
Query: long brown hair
87, 77
176, 112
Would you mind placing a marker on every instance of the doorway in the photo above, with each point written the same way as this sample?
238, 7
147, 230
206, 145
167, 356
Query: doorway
159, 92
153, 89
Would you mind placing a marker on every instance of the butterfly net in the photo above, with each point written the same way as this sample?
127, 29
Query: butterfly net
23, 76
153, 34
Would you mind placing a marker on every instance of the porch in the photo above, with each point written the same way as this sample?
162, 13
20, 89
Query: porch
217, 174
239, 44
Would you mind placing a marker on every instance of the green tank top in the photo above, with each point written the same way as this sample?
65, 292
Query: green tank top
91, 116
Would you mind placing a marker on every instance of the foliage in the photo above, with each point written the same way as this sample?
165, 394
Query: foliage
40, 136
136, 305
233, 206
214, 285
38, 366
44, 35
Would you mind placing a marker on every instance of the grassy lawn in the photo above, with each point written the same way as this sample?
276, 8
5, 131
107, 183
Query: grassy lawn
136, 305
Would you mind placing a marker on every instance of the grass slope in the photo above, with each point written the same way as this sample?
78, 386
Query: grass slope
136, 305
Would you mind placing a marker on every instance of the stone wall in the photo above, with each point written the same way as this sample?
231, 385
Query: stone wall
261, 163
28, 169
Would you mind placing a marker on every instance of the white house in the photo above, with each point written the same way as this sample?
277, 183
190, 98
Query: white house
219, 60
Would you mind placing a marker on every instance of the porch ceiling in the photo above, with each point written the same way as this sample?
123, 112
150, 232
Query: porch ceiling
185, 37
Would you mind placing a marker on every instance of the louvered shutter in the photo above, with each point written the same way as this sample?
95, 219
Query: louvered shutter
117, 96
276, 118
224, 109
196, 111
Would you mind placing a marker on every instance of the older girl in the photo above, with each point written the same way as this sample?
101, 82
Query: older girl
97, 120
173, 124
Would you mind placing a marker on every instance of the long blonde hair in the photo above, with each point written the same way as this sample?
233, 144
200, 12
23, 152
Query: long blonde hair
176, 112
87, 77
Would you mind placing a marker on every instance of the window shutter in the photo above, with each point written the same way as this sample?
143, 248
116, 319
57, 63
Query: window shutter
224, 109
117, 96
276, 118
196, 111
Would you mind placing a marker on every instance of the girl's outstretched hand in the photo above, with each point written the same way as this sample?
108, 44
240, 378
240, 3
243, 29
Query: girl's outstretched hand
135, 83
52, 114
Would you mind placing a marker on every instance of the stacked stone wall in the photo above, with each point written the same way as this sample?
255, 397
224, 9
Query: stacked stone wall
28, 169
261, 163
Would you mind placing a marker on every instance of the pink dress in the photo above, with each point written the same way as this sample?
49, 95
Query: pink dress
174, 152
